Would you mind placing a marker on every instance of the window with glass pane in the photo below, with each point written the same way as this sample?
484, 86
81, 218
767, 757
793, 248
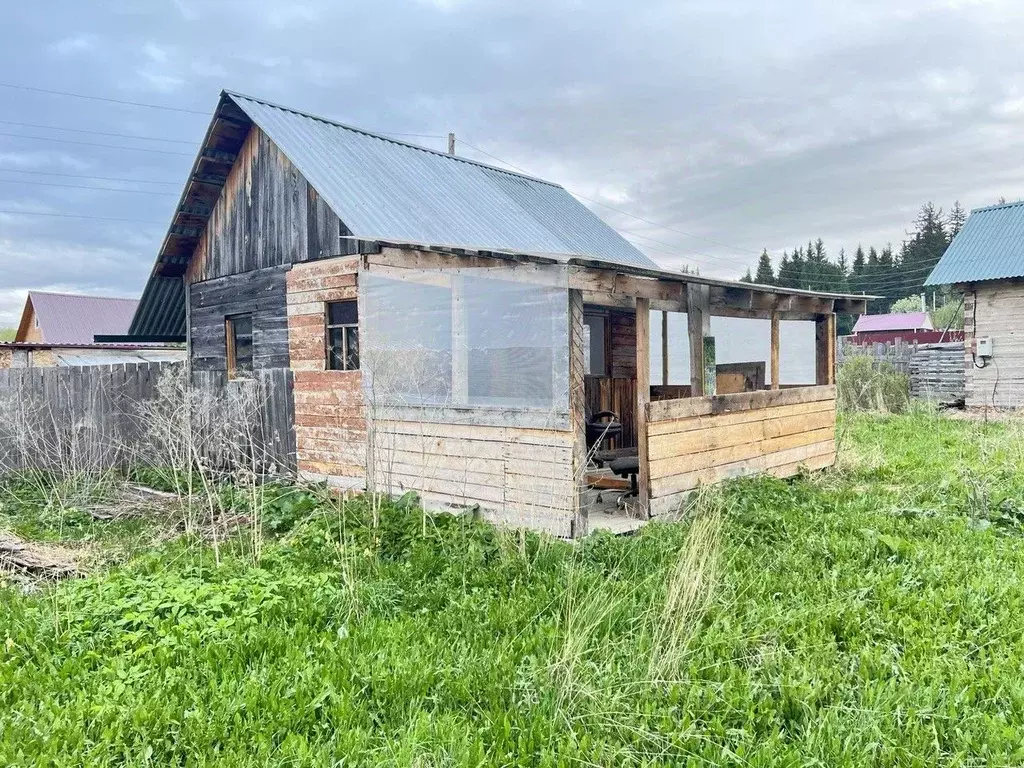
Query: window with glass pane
343, 336
238, 330
595, 334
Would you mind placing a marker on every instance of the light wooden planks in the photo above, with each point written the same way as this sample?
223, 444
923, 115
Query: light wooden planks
791, 458
745, 401
775, 374
643, 393
707, 440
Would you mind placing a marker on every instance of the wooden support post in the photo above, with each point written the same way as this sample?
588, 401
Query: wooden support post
664, 348
460, 343
577, 412
643, 397
698, 321
825, 349
775, 350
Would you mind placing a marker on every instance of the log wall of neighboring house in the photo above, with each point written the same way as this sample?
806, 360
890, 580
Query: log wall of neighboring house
267, 215
705, 440
995, 309
330, 418
260, 293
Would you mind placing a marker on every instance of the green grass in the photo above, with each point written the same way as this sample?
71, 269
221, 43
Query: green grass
872, 615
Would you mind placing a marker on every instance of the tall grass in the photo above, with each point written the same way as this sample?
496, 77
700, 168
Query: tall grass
867, 616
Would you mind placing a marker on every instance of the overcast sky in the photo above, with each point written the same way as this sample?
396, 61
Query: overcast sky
734, 125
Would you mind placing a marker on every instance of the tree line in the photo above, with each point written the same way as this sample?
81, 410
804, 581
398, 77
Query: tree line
885, 272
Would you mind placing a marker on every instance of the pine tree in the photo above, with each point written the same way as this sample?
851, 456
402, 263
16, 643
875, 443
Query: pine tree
842, 262
872, 260
785, 273
956, 219
747, 278
796, 269
858, 260
765, 273
885, 258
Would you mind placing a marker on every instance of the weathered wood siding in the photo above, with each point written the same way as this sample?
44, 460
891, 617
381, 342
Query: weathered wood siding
99, 417
996, 310
267, 215
705, 440
260, 293
519, 477
330, 413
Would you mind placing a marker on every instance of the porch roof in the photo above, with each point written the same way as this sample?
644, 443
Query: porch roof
728, 296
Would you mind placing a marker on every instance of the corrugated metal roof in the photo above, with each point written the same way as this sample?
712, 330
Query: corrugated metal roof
162, 308
72, 319
989, 247
386, 189
896, 321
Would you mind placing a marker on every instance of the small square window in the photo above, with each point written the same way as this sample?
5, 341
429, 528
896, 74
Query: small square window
238, 330
343, 336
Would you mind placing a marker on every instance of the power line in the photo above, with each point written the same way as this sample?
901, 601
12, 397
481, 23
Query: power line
102, 98
725, 259
80, 216
99, 133
83, 186
94, 178
93, 144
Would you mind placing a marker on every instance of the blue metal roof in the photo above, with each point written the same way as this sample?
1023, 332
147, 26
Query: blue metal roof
389, 190
989, 247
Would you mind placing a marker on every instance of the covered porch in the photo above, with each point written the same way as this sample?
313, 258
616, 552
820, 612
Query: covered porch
649, 408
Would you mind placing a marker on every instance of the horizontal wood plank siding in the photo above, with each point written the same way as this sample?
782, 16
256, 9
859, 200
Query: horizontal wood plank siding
518, 476
260, 293
995, 310
705, 440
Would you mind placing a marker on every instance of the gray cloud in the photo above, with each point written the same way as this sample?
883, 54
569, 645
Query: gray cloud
743, 123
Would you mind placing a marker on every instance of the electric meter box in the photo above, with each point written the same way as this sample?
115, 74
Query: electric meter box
984, 347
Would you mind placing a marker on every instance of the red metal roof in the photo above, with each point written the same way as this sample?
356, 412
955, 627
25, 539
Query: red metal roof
897, 321
71, 319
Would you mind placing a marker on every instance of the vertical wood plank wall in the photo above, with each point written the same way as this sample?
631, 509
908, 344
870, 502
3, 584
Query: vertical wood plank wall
709, 439
330, 412
267, 215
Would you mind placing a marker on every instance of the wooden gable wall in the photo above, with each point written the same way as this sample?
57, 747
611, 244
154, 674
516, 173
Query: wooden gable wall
267, 215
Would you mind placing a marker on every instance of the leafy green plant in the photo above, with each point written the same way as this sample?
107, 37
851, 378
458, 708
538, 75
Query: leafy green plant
855, 617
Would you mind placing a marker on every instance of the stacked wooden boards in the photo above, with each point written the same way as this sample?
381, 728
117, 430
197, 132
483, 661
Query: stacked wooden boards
518, 476
705, 440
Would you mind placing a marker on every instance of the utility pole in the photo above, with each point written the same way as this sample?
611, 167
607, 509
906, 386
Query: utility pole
451, 143
924, 303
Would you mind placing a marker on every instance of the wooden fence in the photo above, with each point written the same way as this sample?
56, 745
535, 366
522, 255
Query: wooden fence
107, 416
936, 371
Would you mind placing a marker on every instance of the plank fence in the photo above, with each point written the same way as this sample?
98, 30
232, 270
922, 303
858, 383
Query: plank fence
935, 371
100, 417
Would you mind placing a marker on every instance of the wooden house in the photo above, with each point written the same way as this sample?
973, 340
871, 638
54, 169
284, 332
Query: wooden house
456, 329
985, 262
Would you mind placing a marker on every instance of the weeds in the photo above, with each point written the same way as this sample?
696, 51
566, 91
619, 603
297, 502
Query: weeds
857, 617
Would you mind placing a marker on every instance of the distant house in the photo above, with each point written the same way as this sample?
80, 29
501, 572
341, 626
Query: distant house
986, 262
60, 329
908, 326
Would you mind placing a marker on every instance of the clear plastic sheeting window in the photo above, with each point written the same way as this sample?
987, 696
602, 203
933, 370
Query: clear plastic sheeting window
477, 337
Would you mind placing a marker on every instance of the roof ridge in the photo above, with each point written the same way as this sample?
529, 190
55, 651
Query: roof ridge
998, 206
81, 295
385, 137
